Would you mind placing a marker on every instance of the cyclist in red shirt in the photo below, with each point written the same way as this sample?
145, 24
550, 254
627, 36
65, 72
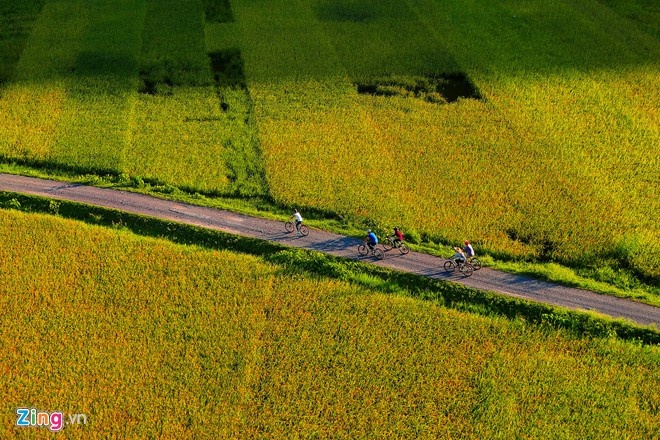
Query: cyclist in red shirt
398, 235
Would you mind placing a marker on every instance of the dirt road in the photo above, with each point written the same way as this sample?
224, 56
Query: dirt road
421, 264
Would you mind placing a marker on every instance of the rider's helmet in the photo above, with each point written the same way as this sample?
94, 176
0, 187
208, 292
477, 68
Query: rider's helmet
368, 231
467, 242
295, 210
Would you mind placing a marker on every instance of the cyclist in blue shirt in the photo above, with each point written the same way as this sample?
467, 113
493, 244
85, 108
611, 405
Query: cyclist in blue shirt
371, 239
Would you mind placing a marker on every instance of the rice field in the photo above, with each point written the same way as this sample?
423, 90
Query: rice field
146, 338
553, 158
127, 87
548, 164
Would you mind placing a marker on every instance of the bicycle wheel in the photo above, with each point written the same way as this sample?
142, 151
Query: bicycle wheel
404, 249
387, 245
289, 226
363, 250
304, 230
379, 254
476, 263
466, 269
450, 266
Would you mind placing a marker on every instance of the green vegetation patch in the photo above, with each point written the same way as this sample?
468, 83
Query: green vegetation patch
361, 11
346, 12
16, 22
228, 70
645, 13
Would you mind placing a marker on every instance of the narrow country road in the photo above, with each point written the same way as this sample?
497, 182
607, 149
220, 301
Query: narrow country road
421, 264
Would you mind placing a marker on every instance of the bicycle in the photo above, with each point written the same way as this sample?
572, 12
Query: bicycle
291, 226
364, 250
475, 262
465, 268
390, 243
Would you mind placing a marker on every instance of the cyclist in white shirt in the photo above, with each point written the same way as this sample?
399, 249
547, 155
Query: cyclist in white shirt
298, 218
468, 250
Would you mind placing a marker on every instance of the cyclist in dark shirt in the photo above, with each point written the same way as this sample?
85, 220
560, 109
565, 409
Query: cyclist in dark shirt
398, 235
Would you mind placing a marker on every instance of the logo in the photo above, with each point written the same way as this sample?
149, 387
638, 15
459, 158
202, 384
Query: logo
29, 417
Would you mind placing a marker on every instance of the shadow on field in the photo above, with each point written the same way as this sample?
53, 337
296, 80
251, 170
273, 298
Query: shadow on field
97, 63
434, 89
16, 22
218, 11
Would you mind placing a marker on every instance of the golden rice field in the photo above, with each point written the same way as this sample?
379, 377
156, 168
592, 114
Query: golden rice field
149, 339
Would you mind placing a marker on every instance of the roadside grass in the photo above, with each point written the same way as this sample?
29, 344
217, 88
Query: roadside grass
599, 279
148, 338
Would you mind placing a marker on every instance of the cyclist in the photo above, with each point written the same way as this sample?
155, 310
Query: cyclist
459, 257
371, 239
397, 237
298, 218
468, 250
